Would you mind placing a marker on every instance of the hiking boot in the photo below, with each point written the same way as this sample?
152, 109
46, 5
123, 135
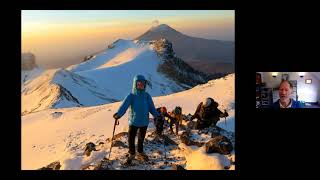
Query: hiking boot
142, 156
130, 157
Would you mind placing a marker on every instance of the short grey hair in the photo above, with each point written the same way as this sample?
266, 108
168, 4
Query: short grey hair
290, 84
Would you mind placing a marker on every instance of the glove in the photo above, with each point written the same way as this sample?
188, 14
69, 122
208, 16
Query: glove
116, 116
160, 118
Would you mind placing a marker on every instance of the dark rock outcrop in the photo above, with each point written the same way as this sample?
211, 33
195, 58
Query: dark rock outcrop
219, 144
175, 68
52, 166
177, 167
89, 148
117, 136
185, 138
117, 143
28, 61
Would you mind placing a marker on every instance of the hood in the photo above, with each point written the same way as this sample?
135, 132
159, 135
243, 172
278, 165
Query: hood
135, 79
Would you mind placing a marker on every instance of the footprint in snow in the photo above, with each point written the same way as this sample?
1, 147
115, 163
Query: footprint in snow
56, 114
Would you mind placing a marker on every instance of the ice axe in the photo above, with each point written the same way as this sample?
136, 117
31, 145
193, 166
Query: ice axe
225, 118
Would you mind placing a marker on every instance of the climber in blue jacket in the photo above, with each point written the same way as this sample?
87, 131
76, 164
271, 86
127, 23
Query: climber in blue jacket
141, 104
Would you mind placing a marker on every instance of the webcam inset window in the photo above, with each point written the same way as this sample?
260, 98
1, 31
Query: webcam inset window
281, 90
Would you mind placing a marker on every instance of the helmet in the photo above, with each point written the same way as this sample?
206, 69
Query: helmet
177, 110
207, 102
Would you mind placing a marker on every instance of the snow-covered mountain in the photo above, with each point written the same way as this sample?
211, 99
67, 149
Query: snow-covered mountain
126, 58
210, 56
60, 134
107, 77
58, 88
27, 75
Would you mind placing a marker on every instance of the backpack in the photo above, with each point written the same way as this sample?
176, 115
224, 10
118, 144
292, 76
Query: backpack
177, 110
208, 112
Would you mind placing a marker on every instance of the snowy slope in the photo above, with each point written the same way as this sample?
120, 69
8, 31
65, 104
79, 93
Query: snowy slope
115, 69
60, 134
102, 58
106, 77
58, 88
27, 75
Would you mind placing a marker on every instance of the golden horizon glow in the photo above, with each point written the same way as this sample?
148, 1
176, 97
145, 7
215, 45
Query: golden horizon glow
43, 31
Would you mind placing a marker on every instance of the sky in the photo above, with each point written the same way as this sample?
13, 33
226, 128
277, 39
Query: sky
60, 38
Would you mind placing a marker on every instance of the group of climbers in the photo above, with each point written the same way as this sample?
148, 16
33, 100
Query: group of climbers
141, 103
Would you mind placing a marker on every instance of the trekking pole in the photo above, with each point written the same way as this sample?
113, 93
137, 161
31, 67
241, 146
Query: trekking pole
165, 154
164, 147
225, 118
116, 122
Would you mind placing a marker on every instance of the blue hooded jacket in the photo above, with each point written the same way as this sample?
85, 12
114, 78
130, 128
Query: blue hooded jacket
295, 104
140, 103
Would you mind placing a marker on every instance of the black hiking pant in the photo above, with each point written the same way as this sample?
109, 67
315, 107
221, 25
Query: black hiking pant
132, 135
202, 124
159, 125
176, 123
205, 124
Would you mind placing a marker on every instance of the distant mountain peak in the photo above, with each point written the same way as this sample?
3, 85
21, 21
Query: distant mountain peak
28, 61
157, 32
161, 27
207, 55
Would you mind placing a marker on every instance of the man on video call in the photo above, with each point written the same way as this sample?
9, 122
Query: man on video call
285, 101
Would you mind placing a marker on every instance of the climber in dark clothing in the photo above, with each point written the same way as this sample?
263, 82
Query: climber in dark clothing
176, 119
159, 122
208, 114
